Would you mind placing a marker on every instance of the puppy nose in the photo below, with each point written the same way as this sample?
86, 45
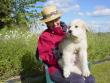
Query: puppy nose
70, 31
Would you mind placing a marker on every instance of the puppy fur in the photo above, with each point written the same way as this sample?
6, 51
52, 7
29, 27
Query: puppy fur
74, 50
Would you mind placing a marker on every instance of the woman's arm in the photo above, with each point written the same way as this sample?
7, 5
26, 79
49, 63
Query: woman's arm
45, 51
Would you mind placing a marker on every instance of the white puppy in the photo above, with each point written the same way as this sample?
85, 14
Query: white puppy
74, 50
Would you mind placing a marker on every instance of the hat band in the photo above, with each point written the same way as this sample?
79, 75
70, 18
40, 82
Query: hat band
51, 14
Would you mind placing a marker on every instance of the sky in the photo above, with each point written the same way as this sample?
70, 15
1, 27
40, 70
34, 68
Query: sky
95, 13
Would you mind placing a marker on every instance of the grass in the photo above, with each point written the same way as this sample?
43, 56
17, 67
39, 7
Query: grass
17, 50
101, 72
98, 46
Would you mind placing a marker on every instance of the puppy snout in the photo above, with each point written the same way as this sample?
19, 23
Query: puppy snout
70, 31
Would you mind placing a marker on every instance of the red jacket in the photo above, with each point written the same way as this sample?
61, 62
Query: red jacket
48, 40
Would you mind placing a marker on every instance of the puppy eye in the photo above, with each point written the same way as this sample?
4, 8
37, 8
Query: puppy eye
76, 26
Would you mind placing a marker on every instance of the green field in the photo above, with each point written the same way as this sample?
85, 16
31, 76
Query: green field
101, 72
99, 49
98, 46
17, 50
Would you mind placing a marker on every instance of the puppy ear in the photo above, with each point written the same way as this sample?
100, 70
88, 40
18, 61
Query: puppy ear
86, 27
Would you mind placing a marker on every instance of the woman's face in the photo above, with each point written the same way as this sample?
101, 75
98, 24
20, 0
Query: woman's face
54, 23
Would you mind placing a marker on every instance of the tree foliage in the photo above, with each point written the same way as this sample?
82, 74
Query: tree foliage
16, 11
5, 11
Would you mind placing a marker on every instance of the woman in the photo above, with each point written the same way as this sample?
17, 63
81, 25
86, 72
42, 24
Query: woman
48, 43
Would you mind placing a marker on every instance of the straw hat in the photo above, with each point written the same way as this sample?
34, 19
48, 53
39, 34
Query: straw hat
50, 13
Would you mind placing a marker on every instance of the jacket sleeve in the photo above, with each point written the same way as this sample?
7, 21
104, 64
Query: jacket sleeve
45, 51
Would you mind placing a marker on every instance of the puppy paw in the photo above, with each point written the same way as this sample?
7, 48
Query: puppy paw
86, 72
66, 74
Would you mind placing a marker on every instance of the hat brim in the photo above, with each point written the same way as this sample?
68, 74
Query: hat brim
51, 17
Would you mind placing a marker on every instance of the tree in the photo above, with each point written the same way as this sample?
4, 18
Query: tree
5, 11
15, 11
21, 13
